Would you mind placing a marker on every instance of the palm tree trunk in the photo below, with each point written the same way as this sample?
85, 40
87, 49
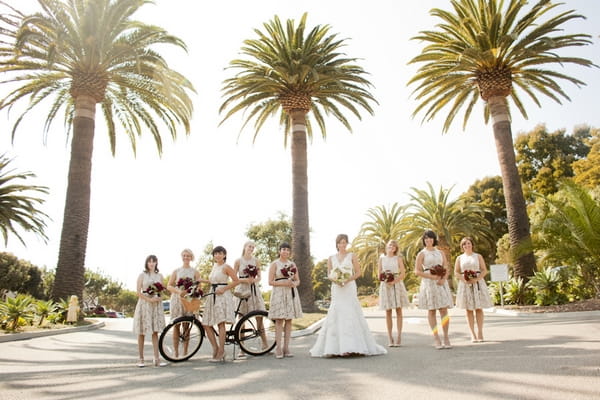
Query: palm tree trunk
516, 209
300, 225
73, 242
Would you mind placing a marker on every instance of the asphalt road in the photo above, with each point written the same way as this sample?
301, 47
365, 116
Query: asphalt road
540, 356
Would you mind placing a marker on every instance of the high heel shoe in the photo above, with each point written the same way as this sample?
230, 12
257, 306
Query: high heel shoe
158, 363
140, 363
217, 360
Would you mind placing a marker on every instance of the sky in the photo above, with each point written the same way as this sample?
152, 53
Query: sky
214, 183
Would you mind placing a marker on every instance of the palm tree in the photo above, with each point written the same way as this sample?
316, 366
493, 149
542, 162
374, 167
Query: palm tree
488, 51
17, 208
569, 232
383, 225
293, 72
76, 54
449, 219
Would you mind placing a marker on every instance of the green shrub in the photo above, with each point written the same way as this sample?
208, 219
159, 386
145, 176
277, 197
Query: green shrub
17, 311
546, 286
517, 292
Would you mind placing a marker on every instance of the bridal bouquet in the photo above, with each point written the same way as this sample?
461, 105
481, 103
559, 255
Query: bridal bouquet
437, 270
288, 271
387, 276
250, 271
338, 276
470, 274
154, 289
190, 287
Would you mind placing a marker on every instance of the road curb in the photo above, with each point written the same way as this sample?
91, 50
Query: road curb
10, 337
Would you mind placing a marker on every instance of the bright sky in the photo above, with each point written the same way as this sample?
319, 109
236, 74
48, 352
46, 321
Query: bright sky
210, 186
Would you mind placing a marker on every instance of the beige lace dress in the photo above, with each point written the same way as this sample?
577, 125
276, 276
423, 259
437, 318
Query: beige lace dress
177, 309
148, 317
221, 307
285, 301
392, 296
431, 295
255, 301
472, 296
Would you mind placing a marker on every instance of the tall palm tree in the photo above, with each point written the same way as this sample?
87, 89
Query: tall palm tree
76, 54
449, 219
293, 72
383, 225
484, 50
18, 205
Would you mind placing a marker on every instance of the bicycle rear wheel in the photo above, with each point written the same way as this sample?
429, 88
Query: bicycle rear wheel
181, 339
255, 333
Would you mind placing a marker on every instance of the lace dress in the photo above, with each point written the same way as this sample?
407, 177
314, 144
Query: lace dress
472, 296
148, 317
221, 307
177, 309
345, 330
392, 296
255, 301
431, 295
285, 301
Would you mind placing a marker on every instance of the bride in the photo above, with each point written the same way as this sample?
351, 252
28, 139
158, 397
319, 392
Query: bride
345, 331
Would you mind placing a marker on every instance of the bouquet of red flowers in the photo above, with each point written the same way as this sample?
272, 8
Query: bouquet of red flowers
251, 271
289, 271
437, 270
155, 289
470, 274
387, 276
192, 288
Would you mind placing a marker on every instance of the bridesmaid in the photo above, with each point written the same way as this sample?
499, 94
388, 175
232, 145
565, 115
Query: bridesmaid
472, 295
393, 295
219, 309
285, 301
149, 317
185, 271
434, 292
255, 301
176, 306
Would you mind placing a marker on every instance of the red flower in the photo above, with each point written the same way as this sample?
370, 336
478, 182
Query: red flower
437, 270
155, 289
190, 287
470, 274
387, 276
250, 271
289, 271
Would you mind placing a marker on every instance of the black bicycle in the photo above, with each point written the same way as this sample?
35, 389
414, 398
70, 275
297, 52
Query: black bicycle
254, 332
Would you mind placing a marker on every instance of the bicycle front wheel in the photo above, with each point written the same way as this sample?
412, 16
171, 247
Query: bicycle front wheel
181, 339
255, 333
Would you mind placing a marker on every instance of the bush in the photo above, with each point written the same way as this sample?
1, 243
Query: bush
517, 292
546, 286
17, 311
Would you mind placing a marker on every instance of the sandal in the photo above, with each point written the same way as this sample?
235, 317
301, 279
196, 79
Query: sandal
140, 363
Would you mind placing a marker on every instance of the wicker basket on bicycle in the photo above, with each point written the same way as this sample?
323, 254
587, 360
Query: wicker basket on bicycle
190, 305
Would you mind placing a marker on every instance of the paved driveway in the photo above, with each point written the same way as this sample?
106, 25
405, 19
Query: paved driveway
543, 356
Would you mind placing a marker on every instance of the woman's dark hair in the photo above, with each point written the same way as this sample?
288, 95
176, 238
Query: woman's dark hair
220, 249
151, 257
429, 234
339, 238
285, 245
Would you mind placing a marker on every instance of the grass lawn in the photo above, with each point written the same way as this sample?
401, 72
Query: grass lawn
307, 320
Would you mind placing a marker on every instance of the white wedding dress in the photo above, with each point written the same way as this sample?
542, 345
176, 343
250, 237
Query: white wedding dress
345, 330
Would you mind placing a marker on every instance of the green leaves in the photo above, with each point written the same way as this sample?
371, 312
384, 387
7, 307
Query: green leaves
481, 36
19, 207
286, 62
93, 48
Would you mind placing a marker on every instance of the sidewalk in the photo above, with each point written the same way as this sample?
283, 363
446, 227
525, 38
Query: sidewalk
530, 357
